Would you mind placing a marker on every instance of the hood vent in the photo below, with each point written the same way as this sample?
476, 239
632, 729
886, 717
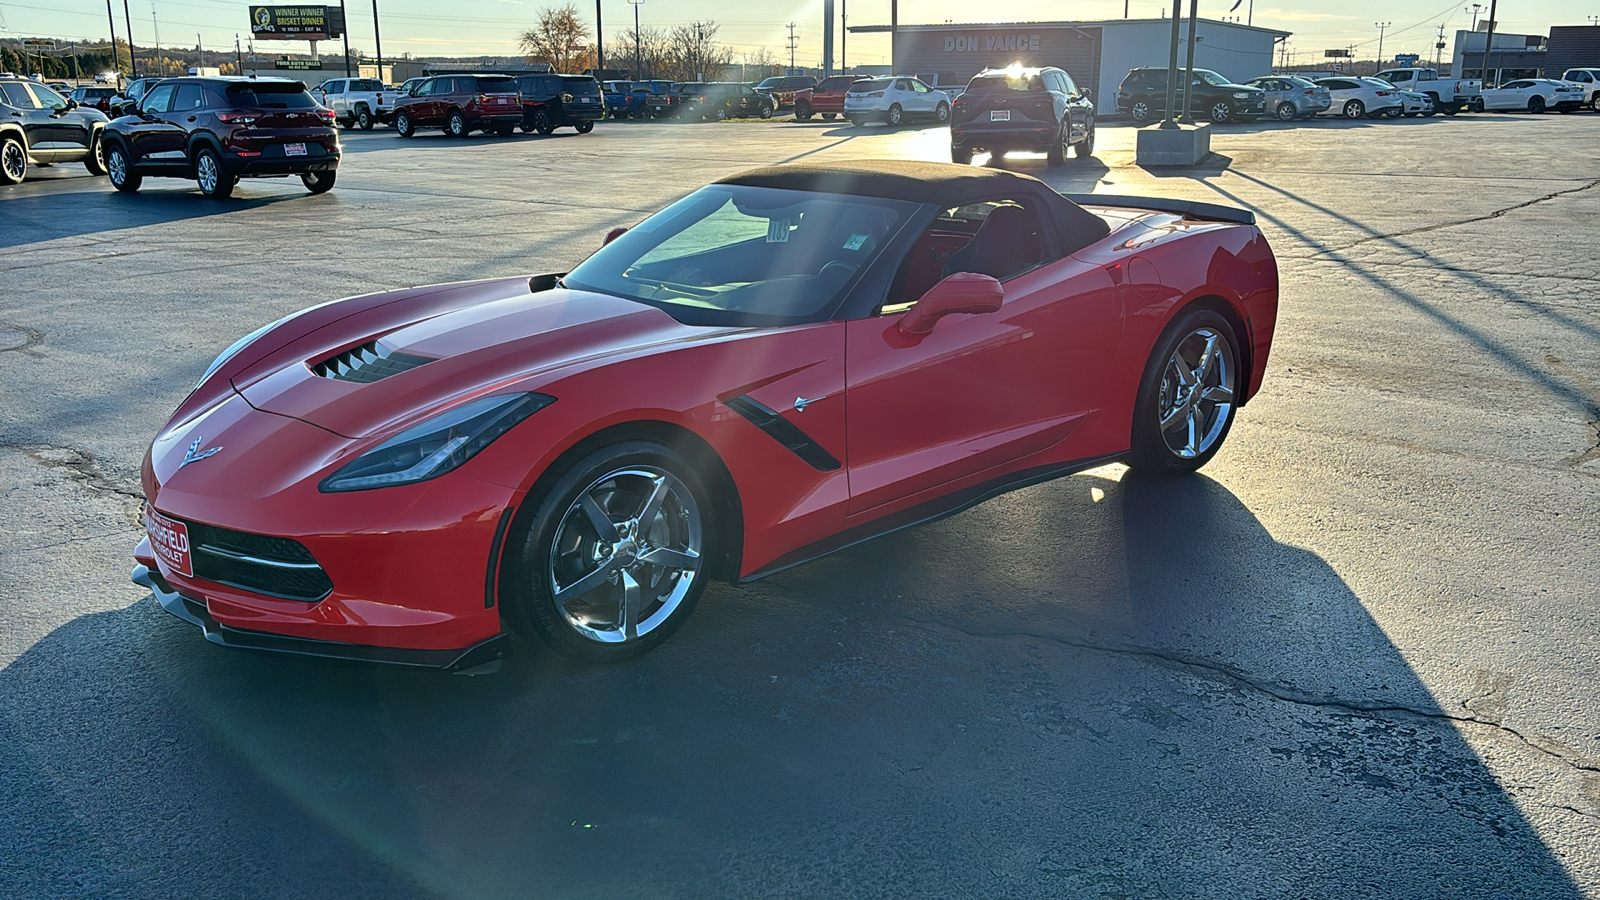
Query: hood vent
367, 363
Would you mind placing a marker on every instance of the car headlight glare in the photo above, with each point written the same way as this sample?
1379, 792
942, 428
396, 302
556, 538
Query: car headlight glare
439, 445
1241, 96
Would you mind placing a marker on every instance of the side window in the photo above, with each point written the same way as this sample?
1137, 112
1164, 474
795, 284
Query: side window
1067, 83
47, 98
17, 94
423, 89
999, 238
333, 87
156, 101
919, 87
902, 84
189, 97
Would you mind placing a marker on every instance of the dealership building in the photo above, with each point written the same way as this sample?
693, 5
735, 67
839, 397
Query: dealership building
1097, 54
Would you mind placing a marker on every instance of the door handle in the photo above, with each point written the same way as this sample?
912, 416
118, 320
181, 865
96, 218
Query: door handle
191, 118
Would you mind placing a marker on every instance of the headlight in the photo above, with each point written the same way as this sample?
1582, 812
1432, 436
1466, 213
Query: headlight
436, 446
1241, 96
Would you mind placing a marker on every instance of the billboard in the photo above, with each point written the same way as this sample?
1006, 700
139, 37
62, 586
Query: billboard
296, 23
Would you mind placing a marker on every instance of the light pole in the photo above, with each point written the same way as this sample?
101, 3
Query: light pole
1474, 9
1188, 72
377, 39
1382, 27
1172, 67
599, 44
111, 20
156, 26
638, 51
345, 28
127, 20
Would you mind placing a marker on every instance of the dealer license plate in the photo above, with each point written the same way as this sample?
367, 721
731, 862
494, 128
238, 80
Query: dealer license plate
294, 149
999, 115
170, 541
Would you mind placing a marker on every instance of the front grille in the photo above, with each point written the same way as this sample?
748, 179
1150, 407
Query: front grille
367, 363
275, 566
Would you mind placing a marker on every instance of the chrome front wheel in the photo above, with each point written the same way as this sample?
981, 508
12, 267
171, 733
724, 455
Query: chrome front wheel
617, 555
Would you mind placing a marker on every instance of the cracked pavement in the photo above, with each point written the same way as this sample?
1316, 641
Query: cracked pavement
1355, 658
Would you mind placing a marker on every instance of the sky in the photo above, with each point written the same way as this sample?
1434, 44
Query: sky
490, 27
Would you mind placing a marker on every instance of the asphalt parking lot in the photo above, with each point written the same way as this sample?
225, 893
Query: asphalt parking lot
1355, 657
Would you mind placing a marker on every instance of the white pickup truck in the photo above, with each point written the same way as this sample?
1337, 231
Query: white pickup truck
1450, 95
357, 101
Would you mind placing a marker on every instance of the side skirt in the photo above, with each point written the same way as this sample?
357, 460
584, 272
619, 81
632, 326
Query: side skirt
930, 511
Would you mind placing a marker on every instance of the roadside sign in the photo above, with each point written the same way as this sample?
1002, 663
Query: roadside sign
38, 44
1406, 59
1335, 67
296, 23
1336, 54
298, 65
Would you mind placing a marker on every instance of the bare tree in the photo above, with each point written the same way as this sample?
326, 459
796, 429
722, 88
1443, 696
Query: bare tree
652, 52
561, 39
761, 64
693, 53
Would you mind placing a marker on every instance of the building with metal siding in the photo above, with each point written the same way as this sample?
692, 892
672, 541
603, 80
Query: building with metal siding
1514, 56
1572, 47
1096, 53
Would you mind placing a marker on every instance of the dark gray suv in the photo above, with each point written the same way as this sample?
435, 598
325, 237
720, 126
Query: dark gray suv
1143, 96
40, 127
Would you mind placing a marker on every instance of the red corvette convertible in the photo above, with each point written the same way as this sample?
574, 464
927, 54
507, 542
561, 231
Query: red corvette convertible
783, 363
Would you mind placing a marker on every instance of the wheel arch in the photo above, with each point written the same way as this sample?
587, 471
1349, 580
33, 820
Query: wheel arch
728, 508
202, 138
14, 130
1232, 311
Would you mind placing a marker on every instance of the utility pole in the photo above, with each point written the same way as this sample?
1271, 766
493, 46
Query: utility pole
793, 43
1382, 27
599, 43
156, 26
111, 20
199, 47
699, 51
346, 30
894, 31
844, 33
1488, 44
1438, 46
377, 39
127, 20
638, 44
238, 55
827, 38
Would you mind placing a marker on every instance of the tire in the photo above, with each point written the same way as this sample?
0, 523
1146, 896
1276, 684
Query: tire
505, 130
960, 155
364, 119
829, 116
214, 181
584, 127
802, 112
456, 124
1085, 148
1450, 109
721, 115
1287, 112
120, 170
1354, 109
1221, 111
1536, 105
1057, 154
1139, 109
542, 123
403, 125
942, 114
896, 115
1162, 394
1594, 102
858, 121
13, 160
95, 162
319, 182
766, 112
584, 530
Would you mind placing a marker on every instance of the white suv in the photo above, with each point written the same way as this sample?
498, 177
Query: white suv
894, 100
1589, 80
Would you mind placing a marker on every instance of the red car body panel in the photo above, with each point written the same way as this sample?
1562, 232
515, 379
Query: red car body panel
1043, 385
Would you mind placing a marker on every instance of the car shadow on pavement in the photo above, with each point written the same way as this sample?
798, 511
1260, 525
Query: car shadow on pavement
47, 217
1098, 686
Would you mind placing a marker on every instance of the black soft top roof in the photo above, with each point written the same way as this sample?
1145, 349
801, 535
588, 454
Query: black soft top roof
945, 184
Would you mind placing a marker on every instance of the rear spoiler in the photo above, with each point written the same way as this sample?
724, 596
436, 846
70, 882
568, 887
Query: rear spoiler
1191, 208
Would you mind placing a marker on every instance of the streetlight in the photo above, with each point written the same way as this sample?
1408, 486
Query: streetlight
1474, 9
638, 52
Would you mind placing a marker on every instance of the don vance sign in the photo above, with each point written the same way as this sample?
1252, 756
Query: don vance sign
972, 43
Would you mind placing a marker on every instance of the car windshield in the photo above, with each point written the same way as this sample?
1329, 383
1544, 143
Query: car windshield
774, 81
995, 82
1379, 82
496, 84
1299, 82
741, 255
870, 84
267, 95
366, 84
580, 85
1210, 77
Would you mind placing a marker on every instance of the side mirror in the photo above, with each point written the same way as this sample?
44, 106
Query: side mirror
1089, 95
963, 292
71, 104
613, 234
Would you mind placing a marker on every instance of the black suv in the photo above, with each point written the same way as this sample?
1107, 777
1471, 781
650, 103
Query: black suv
217, 130
39, 126
1022, 109
552, 101
1143, 95
726, 100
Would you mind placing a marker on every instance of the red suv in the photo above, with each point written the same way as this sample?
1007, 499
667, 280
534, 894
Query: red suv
462, 104
826, 98
218, 130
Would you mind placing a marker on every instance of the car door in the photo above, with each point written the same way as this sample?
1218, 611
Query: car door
154, 142
71, 131
1079, 108
1511, 95
421, 105
978, 392
37, 126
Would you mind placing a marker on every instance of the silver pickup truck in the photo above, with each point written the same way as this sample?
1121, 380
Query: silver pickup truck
360, 102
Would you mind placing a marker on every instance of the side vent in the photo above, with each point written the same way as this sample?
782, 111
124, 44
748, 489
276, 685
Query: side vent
367, 363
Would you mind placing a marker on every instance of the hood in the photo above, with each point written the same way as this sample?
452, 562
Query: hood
358, 382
